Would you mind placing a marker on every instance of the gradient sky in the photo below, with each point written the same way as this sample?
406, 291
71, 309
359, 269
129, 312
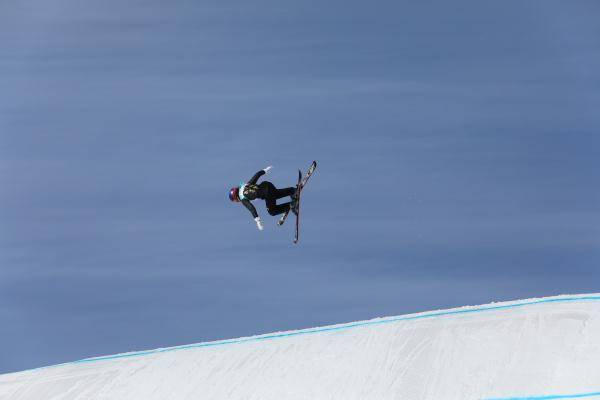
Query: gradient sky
457, 142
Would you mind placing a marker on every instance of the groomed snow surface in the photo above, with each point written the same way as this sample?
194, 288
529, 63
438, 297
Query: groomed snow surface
531, 349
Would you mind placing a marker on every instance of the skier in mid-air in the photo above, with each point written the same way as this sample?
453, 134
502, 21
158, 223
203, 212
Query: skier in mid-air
246, 192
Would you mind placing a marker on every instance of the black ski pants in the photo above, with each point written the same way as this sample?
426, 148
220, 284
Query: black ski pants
271, 194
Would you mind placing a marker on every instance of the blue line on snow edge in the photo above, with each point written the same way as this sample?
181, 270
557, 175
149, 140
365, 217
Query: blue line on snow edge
549, 397
308, 331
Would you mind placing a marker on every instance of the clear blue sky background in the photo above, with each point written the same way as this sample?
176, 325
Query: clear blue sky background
457, 142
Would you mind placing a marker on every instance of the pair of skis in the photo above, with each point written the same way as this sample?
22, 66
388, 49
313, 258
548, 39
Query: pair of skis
299, 186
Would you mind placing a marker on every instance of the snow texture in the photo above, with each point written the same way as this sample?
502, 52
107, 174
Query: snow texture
531, 349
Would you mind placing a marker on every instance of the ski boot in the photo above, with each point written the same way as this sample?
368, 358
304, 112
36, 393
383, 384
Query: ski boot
294, 203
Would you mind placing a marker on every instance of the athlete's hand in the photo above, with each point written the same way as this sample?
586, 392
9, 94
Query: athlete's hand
259, 224
268, 169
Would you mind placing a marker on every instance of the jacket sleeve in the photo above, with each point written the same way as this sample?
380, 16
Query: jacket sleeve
250, 207
257, 175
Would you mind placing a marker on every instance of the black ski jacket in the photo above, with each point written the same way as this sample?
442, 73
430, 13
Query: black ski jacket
251, 191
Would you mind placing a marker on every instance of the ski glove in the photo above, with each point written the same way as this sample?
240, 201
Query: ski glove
259, 224
268, 169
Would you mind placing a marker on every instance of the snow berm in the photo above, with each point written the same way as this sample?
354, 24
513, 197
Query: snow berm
545, 348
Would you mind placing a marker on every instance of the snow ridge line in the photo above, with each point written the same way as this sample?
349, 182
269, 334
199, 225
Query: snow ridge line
341, 327
550, 397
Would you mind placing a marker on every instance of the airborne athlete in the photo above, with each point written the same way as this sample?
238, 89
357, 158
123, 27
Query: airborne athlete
246, 192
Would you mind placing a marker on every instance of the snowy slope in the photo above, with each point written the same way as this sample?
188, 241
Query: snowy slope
538, 349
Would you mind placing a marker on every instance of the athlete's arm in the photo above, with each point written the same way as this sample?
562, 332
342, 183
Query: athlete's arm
250, 207
257, 175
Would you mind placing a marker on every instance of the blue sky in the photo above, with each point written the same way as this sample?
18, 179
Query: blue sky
458, 164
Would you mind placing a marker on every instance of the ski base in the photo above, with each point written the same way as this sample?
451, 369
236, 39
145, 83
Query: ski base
310, 171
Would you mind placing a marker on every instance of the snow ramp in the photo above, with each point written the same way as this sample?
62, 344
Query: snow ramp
542, 349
